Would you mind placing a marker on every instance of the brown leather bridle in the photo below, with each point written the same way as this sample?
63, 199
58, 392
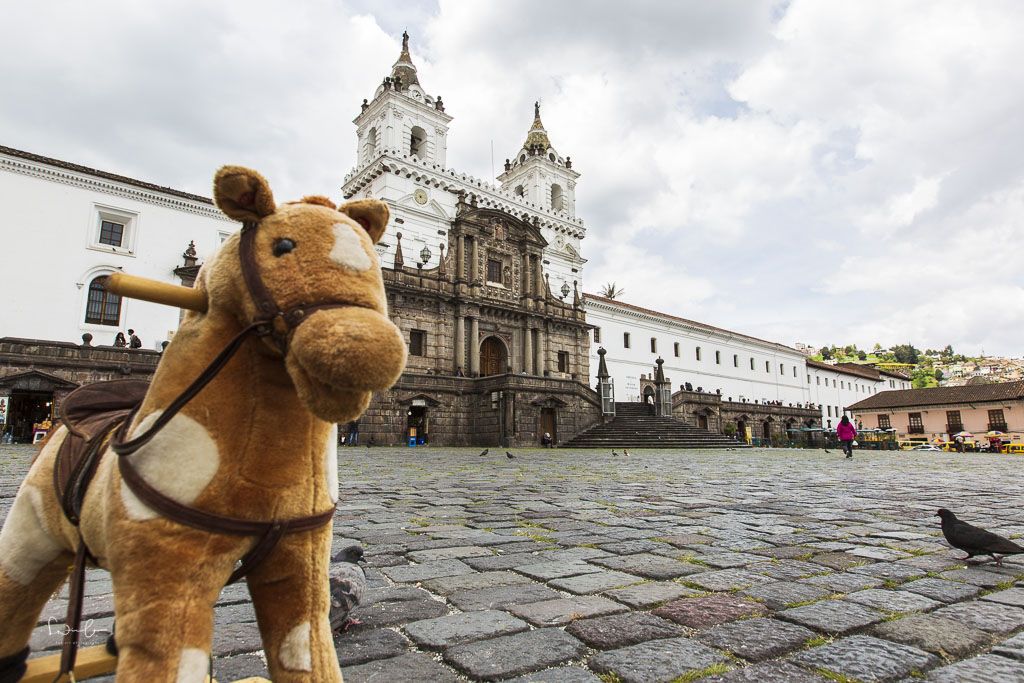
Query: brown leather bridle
271, 322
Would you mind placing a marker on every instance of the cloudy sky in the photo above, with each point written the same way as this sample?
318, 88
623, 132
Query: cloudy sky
819, 172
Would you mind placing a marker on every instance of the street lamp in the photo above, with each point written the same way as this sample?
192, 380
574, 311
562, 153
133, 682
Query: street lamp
565, 289
424, 255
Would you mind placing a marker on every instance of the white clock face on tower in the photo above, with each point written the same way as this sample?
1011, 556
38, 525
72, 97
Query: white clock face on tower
420, 196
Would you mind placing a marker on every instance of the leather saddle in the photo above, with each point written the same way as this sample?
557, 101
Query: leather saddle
91, 414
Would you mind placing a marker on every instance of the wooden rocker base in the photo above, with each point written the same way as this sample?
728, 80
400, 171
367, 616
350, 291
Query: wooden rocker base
92, 661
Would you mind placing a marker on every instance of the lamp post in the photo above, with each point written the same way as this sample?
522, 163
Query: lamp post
565, 289
425, 255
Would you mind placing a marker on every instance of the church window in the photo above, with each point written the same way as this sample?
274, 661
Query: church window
418, 142
102, 307
829, 409
817, 381
551, 156
625, 340
654, 345
557, 200
782, 369
697, 351
735, 360
371, 144
563, 361
768, 366
417, 343
522, 158
794, 371
494, 270
111, 233
675, 349
113, 230
597, 335
718, 357
751, 363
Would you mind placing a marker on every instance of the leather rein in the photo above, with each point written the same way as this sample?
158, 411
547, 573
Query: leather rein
270, 322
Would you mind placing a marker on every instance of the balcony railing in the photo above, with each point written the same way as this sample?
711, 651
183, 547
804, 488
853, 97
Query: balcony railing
915, 429
998, 426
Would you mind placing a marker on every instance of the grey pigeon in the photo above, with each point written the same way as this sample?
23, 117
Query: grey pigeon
974, 540
614, 453
625, 451
484, 452
348, 582
508, 454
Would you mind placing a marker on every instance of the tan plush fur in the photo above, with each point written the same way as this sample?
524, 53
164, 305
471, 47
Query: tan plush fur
252, 444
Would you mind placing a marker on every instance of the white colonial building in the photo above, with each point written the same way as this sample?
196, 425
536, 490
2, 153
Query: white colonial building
65, 225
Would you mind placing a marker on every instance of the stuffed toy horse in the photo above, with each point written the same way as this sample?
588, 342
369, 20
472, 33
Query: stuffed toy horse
231, 456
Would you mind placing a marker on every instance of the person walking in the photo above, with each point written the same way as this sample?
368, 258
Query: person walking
133, 341
353, 433
846, 433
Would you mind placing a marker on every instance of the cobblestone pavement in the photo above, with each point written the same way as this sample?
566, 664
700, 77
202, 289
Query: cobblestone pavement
762, 565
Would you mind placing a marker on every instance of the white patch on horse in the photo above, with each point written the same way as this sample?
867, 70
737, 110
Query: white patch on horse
193, 666
26, 545
348, 249
295, 654
180, 462
331, 463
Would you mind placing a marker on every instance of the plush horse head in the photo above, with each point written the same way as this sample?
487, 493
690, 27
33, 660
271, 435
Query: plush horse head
311, 253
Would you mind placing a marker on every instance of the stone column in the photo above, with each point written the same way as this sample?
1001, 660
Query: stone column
460, 343
542, 343
460, 264
538, 285
474, 266
526, 276
474, 346
528, 350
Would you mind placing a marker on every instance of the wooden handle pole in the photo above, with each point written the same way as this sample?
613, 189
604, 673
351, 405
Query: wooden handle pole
135, 287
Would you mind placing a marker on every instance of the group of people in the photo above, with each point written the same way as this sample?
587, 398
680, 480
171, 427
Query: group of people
132, 341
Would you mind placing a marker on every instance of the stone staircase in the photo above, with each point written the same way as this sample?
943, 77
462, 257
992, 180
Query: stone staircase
636, 426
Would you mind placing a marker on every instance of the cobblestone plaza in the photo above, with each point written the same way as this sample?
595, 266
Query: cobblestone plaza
560, 565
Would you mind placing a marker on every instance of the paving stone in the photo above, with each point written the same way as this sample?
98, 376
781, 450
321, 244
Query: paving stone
620, 630
727, 579
359, 647
545, 571
866, 658
455, 553
633, 547
648, 595
1013, 596
941, 589
429, 570
729, 560
563, 610
756, 639
928, 632
656, 661
886, 554
832, 616
988, 616
594, 583
840, 561
465, 627
786, 552
889, 571
502, 597
1012, 647
563, 674
932, 563
986, 578
844, 582
780, 594
982, 669
387, 613
767, 672
686, 540
451, 584
787, 570
499, 562
410, 667
649, 566
513, 655
708, 611
893, 601
236, 667
233, 639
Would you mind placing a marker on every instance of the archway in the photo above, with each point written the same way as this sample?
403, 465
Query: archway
702, 420
549, 423
649, 395
493, 357
741, 429
418, 425
766, 430
417, 142
557, 200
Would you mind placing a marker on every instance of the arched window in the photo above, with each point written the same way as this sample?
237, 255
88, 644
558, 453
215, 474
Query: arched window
522, 158
551, 156
371, 144
557, 202
102, 307
418, 142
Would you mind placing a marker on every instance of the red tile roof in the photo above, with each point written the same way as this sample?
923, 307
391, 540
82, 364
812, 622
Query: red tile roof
934, 396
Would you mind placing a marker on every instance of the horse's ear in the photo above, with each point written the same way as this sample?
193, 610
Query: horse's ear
243, 194
372, 214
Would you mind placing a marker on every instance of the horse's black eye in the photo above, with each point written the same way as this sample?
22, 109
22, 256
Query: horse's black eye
283, 246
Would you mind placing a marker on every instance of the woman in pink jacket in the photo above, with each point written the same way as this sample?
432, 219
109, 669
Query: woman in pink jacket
846, 433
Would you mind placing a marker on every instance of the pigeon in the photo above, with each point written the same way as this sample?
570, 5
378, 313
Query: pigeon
508, 454
484, 452
614, 453
348, 582
625, 451
974, 540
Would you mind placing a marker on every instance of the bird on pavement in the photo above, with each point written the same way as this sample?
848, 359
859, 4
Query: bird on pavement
614, 453
508, 454
975, 540
348, 582
625, 451
484, 452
